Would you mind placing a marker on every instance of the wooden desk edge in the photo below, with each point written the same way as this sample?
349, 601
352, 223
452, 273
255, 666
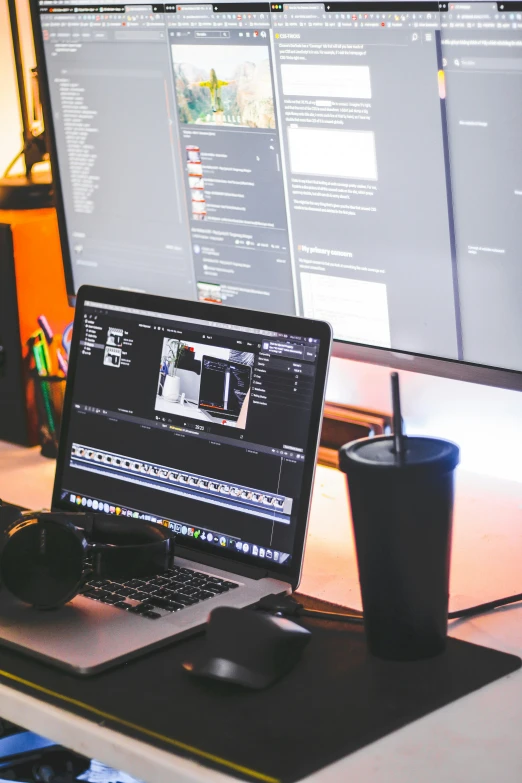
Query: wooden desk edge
93, 740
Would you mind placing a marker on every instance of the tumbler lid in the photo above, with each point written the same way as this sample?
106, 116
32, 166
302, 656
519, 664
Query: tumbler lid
419, 453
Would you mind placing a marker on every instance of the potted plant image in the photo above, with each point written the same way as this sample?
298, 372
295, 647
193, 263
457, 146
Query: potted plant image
172, 386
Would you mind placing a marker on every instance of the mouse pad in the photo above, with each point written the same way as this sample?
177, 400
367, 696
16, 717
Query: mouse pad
336, 700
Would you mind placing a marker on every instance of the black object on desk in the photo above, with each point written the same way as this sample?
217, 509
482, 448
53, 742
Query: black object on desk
248, 648
336, 700
46, 558
401, 495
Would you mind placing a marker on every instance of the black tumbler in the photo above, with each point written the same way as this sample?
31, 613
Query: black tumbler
402, 508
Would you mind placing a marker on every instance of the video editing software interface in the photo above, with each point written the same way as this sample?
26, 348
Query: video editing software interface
354, 162
206, 418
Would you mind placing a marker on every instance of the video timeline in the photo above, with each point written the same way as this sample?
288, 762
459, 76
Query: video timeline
209, 536
235, 496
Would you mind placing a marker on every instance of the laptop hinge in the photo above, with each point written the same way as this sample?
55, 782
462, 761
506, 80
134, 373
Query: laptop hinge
223, 563
283, 578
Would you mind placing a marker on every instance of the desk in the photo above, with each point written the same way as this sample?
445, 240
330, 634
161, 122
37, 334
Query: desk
474, 740
180, 409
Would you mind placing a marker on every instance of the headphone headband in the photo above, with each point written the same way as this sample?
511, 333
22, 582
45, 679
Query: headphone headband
129, 548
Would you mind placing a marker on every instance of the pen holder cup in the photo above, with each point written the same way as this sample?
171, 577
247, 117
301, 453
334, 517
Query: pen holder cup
49, 392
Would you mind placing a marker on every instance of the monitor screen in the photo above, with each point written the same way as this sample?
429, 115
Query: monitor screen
204, 426
224, 386
354, 162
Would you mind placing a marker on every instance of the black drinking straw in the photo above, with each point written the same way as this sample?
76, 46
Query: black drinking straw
398, 435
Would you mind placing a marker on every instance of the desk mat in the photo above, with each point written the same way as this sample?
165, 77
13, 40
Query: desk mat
335, 701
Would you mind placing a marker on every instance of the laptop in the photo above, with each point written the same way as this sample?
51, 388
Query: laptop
200, 417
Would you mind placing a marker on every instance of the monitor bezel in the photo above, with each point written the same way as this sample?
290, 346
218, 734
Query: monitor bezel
50, 136
456, 369
286, 324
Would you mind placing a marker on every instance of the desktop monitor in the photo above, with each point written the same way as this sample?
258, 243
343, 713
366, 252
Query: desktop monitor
354, 162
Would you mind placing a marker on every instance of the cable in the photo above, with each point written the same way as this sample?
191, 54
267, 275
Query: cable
471, 611
289, 607
356, 619
15, 159
36, 143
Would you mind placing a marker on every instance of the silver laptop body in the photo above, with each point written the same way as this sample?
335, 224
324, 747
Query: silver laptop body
201, 417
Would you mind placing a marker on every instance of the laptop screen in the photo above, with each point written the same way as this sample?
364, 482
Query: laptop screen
200, 425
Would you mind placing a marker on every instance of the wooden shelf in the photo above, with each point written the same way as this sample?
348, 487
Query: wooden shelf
343, 423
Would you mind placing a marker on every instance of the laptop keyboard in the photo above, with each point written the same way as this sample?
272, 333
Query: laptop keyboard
157, 596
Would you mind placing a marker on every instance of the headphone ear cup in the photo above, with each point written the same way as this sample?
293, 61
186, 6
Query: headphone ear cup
42, 561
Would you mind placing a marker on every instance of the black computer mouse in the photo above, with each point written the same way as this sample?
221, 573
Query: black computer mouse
248, 647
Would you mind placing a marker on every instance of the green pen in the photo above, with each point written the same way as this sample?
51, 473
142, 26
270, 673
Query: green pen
39, 360
39, 338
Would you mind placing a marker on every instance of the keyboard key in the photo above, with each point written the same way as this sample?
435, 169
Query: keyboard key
216, 588
195, 597
140, 608
157, 582
203, 595
152, 615
231, 585
185, 600
138, 595
160, 602
165, 601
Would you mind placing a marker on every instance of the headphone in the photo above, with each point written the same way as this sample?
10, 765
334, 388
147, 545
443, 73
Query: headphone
46, 557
